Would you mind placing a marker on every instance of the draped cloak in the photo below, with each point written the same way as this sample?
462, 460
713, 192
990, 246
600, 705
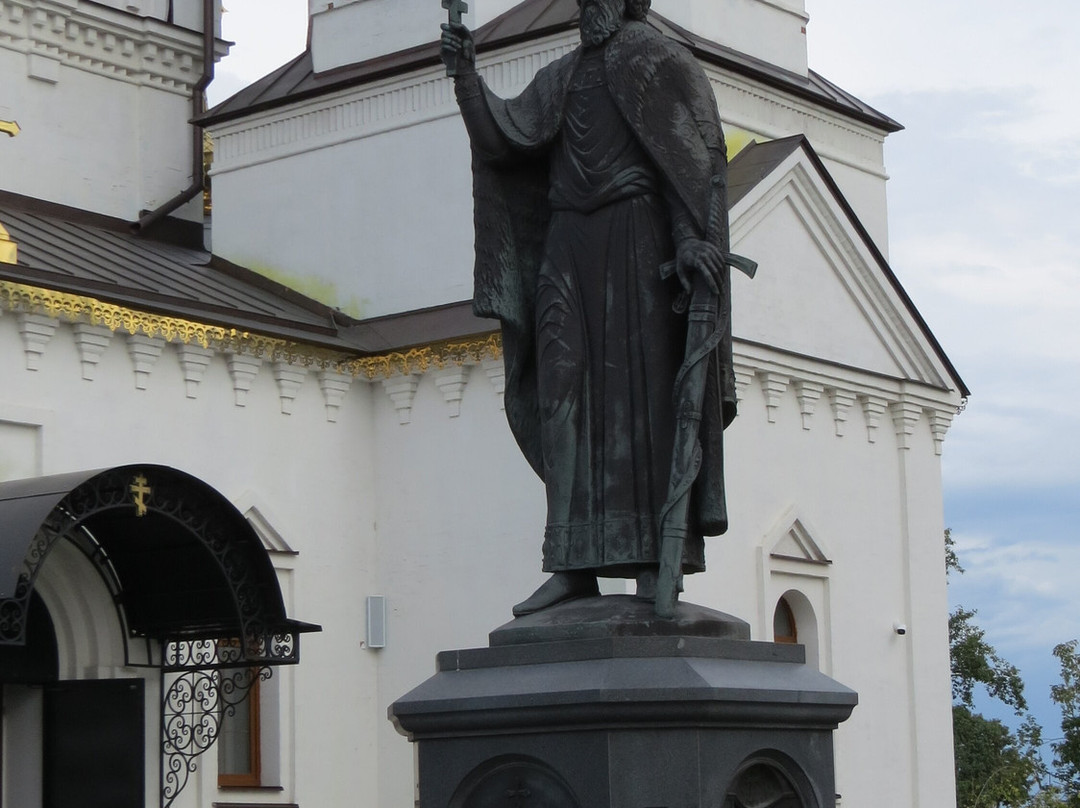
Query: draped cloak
667, 102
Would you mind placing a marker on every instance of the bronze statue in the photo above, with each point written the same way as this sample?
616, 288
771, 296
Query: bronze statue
600, 203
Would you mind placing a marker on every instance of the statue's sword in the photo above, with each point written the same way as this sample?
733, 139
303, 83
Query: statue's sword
704, 331
454, 8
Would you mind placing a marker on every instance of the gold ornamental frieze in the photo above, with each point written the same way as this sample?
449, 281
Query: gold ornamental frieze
428, 357
17, 297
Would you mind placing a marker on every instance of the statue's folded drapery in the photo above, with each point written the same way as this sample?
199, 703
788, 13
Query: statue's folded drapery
595, 180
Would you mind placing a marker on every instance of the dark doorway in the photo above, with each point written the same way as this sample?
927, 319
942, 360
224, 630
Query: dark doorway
94, 744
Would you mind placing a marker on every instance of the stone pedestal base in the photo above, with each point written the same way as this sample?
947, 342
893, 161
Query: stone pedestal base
615, 709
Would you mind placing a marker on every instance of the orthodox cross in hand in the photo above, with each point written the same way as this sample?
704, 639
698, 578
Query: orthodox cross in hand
455, 8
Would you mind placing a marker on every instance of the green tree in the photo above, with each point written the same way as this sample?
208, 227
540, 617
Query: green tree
973, 661
994, 765
1049, 797
1067, 697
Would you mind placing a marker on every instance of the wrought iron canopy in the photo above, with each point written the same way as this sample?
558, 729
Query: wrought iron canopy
183, 563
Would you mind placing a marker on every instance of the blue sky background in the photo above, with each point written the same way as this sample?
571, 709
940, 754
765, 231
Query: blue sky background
984, 236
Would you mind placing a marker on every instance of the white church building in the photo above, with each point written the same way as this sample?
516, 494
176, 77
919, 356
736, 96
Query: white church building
248, 492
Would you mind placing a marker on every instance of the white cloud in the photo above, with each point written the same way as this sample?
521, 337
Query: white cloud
948, 45
267, 34
993, 268
1026, 591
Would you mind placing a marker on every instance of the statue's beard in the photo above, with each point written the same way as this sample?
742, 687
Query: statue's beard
600, 19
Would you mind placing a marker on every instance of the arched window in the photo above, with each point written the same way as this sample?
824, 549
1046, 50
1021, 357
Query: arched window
785, 629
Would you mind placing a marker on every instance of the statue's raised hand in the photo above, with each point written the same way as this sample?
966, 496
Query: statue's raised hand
458, 50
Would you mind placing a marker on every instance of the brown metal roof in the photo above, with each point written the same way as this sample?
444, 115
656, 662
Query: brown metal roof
755, 162
529, 20
70, 250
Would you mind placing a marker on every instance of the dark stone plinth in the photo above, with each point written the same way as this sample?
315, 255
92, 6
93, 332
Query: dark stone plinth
626, 720
617, 616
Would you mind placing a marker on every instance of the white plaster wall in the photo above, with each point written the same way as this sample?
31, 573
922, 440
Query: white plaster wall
393, 182
148, 8
344, 33
772, 30
794, 275
102, 99
353, 31
391, 232
189, 14
460, 525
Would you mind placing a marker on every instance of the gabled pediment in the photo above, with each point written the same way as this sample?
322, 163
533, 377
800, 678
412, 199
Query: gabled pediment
823, 291
258, 516
798, 545
791, 540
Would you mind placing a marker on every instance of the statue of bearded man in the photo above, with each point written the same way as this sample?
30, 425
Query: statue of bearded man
602, 172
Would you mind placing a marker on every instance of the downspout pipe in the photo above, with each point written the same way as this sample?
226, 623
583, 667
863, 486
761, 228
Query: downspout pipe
198, 107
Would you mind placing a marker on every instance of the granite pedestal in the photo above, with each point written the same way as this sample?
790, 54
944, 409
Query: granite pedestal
599, 704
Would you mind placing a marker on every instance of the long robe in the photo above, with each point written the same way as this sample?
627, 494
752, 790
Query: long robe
573, 272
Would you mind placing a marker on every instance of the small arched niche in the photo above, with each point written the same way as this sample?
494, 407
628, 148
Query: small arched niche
794, 621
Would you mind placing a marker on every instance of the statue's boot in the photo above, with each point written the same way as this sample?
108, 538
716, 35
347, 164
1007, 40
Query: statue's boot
560, 587
646, 584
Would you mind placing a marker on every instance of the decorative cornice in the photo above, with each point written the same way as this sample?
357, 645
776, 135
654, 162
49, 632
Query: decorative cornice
427, 357
24, 299
361, 112
100, 40
400, 371
767, 111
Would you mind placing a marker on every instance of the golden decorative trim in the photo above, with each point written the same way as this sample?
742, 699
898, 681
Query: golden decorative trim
18, 297
426, 357
9, 250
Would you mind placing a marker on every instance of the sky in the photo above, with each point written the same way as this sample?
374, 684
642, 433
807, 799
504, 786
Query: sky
984, 235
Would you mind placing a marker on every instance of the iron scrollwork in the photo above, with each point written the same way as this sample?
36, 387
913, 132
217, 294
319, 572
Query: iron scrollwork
14, 610
201, 654
193, 706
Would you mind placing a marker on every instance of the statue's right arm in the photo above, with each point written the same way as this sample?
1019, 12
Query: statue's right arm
486, 137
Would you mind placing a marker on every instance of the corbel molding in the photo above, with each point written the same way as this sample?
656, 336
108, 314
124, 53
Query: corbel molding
39, 312
98, 39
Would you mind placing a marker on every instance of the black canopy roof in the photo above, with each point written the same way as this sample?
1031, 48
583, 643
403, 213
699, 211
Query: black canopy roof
182, 560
